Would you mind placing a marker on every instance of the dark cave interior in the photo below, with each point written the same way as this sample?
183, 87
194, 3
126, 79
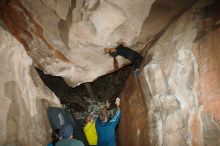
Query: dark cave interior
104, 88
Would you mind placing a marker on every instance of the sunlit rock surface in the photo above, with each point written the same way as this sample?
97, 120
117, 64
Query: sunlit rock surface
24, 97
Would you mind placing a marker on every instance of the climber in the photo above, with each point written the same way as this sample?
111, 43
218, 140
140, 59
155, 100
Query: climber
66, 132
127, 53
90, 131
106, 128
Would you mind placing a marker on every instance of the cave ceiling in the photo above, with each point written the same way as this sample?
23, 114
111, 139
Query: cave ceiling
66, 38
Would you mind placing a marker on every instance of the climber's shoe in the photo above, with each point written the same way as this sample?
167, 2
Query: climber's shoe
137, 73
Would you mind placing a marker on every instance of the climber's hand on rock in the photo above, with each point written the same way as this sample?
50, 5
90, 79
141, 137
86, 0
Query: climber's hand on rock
117, 102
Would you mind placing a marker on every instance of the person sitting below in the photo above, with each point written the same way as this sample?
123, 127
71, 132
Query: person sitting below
66, 132
106, 128
55, 137
127, 53
90, 131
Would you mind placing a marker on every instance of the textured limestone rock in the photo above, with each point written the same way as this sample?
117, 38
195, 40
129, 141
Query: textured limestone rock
206, 50
133, 128
66, 38
171, 77
88, 26
183, 81
181, 85
23, 97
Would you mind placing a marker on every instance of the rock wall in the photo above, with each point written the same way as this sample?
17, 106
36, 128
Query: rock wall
133, 129
69, 39
24, 97
178, 103
206, 122
180, 84
66, 38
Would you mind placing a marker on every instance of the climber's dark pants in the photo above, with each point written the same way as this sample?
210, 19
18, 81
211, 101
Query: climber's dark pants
129, 54
137, 62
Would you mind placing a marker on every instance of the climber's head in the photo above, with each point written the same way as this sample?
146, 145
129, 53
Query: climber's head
109, 50
103, 117
89, 118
